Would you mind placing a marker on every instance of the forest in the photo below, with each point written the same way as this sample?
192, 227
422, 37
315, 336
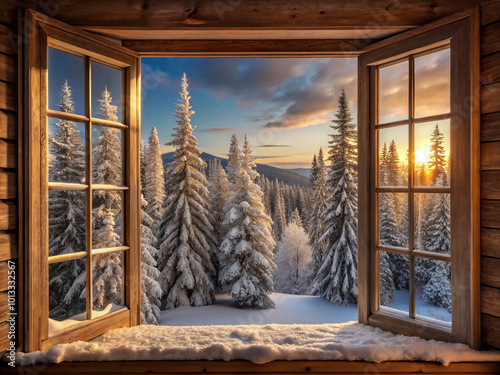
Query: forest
207, 230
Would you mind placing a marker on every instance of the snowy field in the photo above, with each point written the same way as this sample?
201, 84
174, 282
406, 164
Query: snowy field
421, 308
290, 309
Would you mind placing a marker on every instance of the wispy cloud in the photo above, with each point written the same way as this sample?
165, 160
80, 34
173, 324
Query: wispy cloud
217, 130
274, 146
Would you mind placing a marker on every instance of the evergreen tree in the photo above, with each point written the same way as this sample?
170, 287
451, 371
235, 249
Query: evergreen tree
278, 210
219, 195
246, 253
313, 176
187, 243
337, 277
143, 163
387, 286
300, 205
437, 156
233, 160
393, 174
150, 287
437, 291
154, 188
66, 214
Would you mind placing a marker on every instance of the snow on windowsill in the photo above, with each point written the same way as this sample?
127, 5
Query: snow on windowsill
55, 325
350, 341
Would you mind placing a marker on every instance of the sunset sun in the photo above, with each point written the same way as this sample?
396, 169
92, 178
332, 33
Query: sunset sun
422, 155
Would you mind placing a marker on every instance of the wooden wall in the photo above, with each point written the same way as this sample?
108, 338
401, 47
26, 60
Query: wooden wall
8, 156
490, 174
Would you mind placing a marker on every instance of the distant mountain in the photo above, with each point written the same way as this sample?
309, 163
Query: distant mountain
302, 171
288, 176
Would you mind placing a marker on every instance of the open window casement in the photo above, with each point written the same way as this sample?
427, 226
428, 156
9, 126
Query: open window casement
97, 59
392, 101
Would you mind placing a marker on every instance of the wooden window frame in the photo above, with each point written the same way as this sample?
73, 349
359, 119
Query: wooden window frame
462, 37
42, 32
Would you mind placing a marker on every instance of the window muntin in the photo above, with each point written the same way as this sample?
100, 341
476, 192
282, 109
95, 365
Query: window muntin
416, 169
87, 188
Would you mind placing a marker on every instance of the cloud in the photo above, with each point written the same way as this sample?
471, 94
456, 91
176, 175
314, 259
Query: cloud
274, 146
217, 130
274, 156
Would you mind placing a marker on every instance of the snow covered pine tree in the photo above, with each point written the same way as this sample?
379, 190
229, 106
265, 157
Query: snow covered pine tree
246, 253
154, 184
186, 258
337, 278
66, 214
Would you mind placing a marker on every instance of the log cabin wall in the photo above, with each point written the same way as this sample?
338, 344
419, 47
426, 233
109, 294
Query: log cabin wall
8, 158
490, 119
490, 174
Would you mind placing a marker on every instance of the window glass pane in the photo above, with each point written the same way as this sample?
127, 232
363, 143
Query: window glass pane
432, 153
66, 151
66, 82
432, 222
66, 294
393, 93
393, 219
393, 156
66, 222
107, 155
432, 84
107, 280
106, 92
106, 218
394, 273
433, 289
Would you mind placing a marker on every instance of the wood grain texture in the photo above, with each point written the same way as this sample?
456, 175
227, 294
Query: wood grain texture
489, 272
8, 154
490, 11
239, 367
490, 127
4, 340
490, 217
490, 39
8, 215
490, 301
490, 186
490, 330
8, 245
6, 35
490, 242
8, 96
490, 69
8, 185
490, 156
4, 268
489, 98
317, 47
8, 68
4, 306
8, 125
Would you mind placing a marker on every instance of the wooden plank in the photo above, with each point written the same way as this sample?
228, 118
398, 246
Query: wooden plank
8, 69
489, 272
490, 39
8, 154
490, 301
4, 268
490, 214
490, 127
8, 97
239, 366
490, 156
4, 306
8, 215
490, 11
490, 185
8, 246
319, 47
8, 185
490, 243
259, 13
8, 125
6, 39
489, 98
4, 337
490, 330
490, 69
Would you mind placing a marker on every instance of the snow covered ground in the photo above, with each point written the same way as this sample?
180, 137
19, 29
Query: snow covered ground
402, 299
290, 309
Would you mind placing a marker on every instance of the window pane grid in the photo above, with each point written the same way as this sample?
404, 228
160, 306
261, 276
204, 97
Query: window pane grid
410, 188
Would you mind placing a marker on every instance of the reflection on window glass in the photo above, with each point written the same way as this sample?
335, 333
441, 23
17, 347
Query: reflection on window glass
66, 82
66, 294
432, 84
107, 280
106, 92
66, 151
393, 93
66, 222
432, 222
393, 219
106, 218
433, 289
432, 153
106, 155
394, 280
393, 156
